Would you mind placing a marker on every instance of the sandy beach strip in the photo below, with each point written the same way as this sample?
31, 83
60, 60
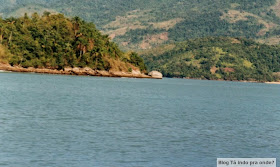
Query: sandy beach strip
276, 83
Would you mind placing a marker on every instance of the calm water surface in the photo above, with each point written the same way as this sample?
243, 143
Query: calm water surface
70, 121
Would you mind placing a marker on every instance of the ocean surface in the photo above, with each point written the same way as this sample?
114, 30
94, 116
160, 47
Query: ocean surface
80, 121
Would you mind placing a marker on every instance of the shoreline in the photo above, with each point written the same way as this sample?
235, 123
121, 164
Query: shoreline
99, 73
74, 71
243, 81
273, 83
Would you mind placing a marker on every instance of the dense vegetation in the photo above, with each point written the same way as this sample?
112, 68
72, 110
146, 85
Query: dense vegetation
134, 22
211, 28
217, 58
54, 41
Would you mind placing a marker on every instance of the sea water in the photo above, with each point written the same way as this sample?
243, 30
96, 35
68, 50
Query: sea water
70, 121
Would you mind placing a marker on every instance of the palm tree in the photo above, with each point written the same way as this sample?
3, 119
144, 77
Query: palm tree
77, 23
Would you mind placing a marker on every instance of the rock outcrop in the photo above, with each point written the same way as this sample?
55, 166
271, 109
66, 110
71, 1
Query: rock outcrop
155, 74
81, 71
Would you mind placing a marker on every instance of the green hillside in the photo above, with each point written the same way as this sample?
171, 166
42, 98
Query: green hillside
54, 42
216, 58
143, 24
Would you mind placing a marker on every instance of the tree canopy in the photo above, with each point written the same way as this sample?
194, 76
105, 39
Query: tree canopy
216, 58
54, 41
141, 24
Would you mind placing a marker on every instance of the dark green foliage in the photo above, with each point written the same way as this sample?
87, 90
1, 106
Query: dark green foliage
217, 58
210, 24
137, 61
54, 41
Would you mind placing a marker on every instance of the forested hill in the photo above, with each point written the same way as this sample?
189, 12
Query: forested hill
53, 41
142, 24
217, 58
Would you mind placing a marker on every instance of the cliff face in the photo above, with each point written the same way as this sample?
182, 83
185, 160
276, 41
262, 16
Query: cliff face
51, 43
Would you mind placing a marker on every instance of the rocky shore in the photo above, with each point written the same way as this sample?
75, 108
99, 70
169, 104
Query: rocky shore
78, 71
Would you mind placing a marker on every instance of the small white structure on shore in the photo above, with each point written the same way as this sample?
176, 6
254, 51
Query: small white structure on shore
155, 74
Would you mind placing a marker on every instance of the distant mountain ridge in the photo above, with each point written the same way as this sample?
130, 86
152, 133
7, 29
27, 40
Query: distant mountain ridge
143, 24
